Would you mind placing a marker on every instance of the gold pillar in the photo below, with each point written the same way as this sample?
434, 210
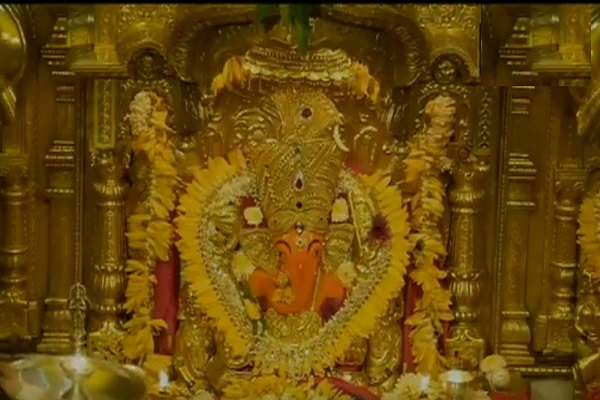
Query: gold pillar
465, 347
106, 272
563, 267
575, 24
13, 250
515, 332
60, 192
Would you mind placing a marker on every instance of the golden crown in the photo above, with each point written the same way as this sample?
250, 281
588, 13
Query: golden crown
278, 62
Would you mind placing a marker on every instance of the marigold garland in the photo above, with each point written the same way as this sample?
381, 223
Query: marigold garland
194, 272
424, 165
589, 234
150, 232
207, 181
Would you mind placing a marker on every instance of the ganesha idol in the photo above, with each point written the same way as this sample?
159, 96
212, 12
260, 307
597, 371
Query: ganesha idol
292, 261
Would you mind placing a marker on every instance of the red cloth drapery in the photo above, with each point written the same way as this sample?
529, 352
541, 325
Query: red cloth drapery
166, 301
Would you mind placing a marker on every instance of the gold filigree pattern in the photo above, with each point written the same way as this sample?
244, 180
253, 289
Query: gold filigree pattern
589, 234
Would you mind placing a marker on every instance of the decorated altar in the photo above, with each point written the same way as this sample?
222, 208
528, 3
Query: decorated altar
338, 201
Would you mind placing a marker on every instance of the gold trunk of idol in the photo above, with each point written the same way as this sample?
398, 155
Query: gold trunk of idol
523, 157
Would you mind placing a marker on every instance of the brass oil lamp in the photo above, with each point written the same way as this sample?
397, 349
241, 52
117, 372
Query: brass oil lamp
71, 377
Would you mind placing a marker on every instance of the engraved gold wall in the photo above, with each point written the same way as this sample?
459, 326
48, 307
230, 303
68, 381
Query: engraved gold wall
520, 166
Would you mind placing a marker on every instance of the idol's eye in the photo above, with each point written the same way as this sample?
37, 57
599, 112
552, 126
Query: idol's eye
283, 247
315, 247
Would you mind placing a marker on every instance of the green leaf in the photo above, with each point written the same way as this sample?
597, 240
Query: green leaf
295, 16
266, 16
302, 36
286, 18
300, 14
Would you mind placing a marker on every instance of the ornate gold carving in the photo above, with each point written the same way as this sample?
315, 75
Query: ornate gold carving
575, 32
62, 191
13, 18
142, 27
515, 333
588, 115
562, 58
515, 53
453, 32
398, 18
56, 325
182, 41
483, 141
107, 269
105, 114
561, 317
465, 347
13, 248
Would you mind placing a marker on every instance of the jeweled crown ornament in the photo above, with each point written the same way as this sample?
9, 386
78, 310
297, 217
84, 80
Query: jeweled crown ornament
297, 169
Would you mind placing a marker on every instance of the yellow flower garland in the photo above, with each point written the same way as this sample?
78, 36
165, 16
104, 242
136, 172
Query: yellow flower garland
361, 324
424, 165
194, 272
150, 232
589, 234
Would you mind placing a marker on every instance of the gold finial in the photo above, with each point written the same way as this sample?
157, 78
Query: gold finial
78, 303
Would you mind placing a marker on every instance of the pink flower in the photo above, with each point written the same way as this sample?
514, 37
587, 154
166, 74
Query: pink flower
380, 230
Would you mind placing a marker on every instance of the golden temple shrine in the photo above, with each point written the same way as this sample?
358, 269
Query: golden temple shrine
291, 201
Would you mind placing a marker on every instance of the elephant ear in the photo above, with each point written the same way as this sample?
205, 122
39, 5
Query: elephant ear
257, 244
339, 243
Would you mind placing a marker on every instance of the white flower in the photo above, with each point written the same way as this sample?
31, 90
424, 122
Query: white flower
253, 216
140, 112
499, 378
491, 363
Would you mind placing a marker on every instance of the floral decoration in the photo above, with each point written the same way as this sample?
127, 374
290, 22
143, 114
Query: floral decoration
494, 369
150, 233
491, 363
275, 388
414, 387
425, 164
218, 180
253, 216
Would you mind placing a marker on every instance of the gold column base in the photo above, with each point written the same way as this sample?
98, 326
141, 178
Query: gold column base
19, 324
56, 315
464, 351
106, 342
516, 336
13, 319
